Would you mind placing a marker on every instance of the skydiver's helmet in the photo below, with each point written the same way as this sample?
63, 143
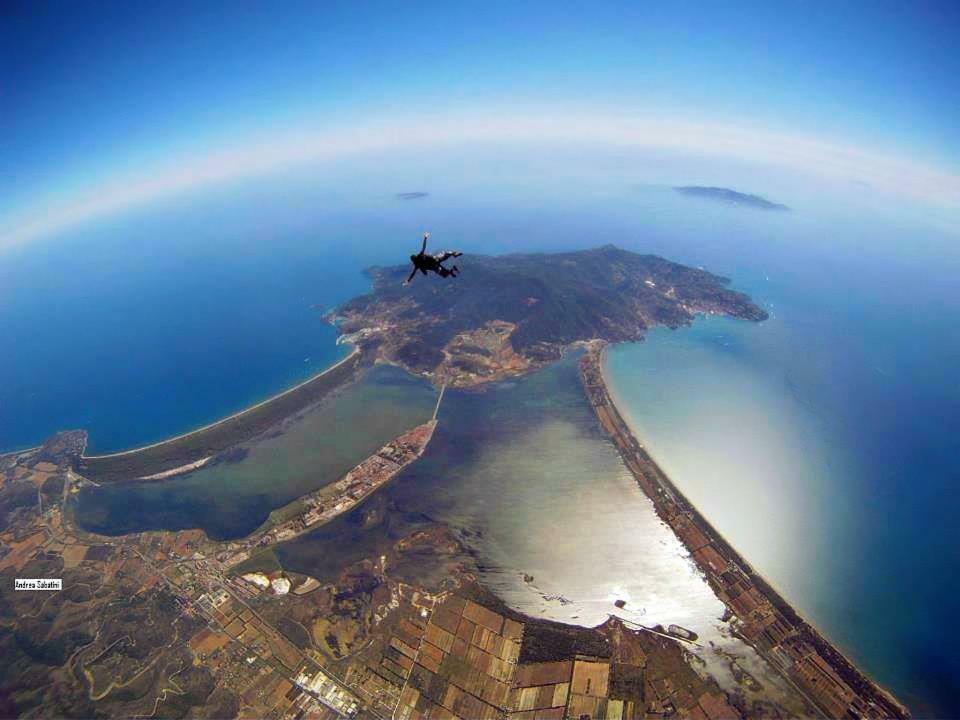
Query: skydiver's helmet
413, 259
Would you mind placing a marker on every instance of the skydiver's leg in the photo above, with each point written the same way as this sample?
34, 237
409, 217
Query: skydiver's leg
443, 272
446, 255
454, 271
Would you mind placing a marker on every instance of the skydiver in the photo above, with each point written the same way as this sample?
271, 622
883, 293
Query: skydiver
432, 263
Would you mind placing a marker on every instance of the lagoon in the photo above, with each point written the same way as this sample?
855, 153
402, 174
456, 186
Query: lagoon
836, 419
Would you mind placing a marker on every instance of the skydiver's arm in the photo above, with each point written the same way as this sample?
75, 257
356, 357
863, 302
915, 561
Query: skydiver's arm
424, 248
412, 273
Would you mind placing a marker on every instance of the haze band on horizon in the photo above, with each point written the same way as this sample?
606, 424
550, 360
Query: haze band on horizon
186, 188
847, 168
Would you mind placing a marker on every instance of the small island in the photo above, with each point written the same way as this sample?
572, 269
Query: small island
730, 197
412, 195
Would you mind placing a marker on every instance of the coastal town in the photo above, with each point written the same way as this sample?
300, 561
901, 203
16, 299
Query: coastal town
321, 506
764, 619
153, 624
160, 623
181, 582
175, 624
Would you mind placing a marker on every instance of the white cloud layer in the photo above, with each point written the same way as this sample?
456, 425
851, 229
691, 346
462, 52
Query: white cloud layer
884, 173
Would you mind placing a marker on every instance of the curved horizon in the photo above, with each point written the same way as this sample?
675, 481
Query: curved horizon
307, 145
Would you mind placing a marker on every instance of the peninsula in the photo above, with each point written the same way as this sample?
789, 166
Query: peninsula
321, 506
215, 627
510, 314
764, 619
507, 315
729, 197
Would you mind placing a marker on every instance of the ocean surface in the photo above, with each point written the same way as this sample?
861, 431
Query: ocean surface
231, 499
822, 442
526, 478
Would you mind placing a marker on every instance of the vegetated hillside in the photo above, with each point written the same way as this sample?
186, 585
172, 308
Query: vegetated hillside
553, 299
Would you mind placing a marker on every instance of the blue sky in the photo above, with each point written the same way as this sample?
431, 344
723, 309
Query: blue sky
95, 91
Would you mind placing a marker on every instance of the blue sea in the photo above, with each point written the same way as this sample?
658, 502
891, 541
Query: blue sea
821, 442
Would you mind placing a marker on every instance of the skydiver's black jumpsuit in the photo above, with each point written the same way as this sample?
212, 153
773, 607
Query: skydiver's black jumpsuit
440, 259
427, 263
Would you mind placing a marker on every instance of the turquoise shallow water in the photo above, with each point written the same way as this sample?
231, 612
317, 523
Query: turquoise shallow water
837, 419
231, 499
825, 486
524, 475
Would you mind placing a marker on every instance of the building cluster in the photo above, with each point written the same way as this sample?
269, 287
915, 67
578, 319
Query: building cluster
320, 686
248, 656
454, 654
247, 653
267, 671
763, 618
337, 498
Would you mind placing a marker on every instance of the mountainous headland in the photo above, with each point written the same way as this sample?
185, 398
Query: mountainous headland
510, 314
370, 636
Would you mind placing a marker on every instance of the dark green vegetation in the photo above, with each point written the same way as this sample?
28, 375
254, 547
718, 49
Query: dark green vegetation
220, 437
40, 632
730, 197
20, 497
294, 632
100, 648
546, 641
263, 562
543, 640
35, 634
553, 299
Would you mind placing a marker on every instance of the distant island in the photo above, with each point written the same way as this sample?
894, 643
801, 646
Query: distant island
412, 195
401, 627
508, 314
729, 197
